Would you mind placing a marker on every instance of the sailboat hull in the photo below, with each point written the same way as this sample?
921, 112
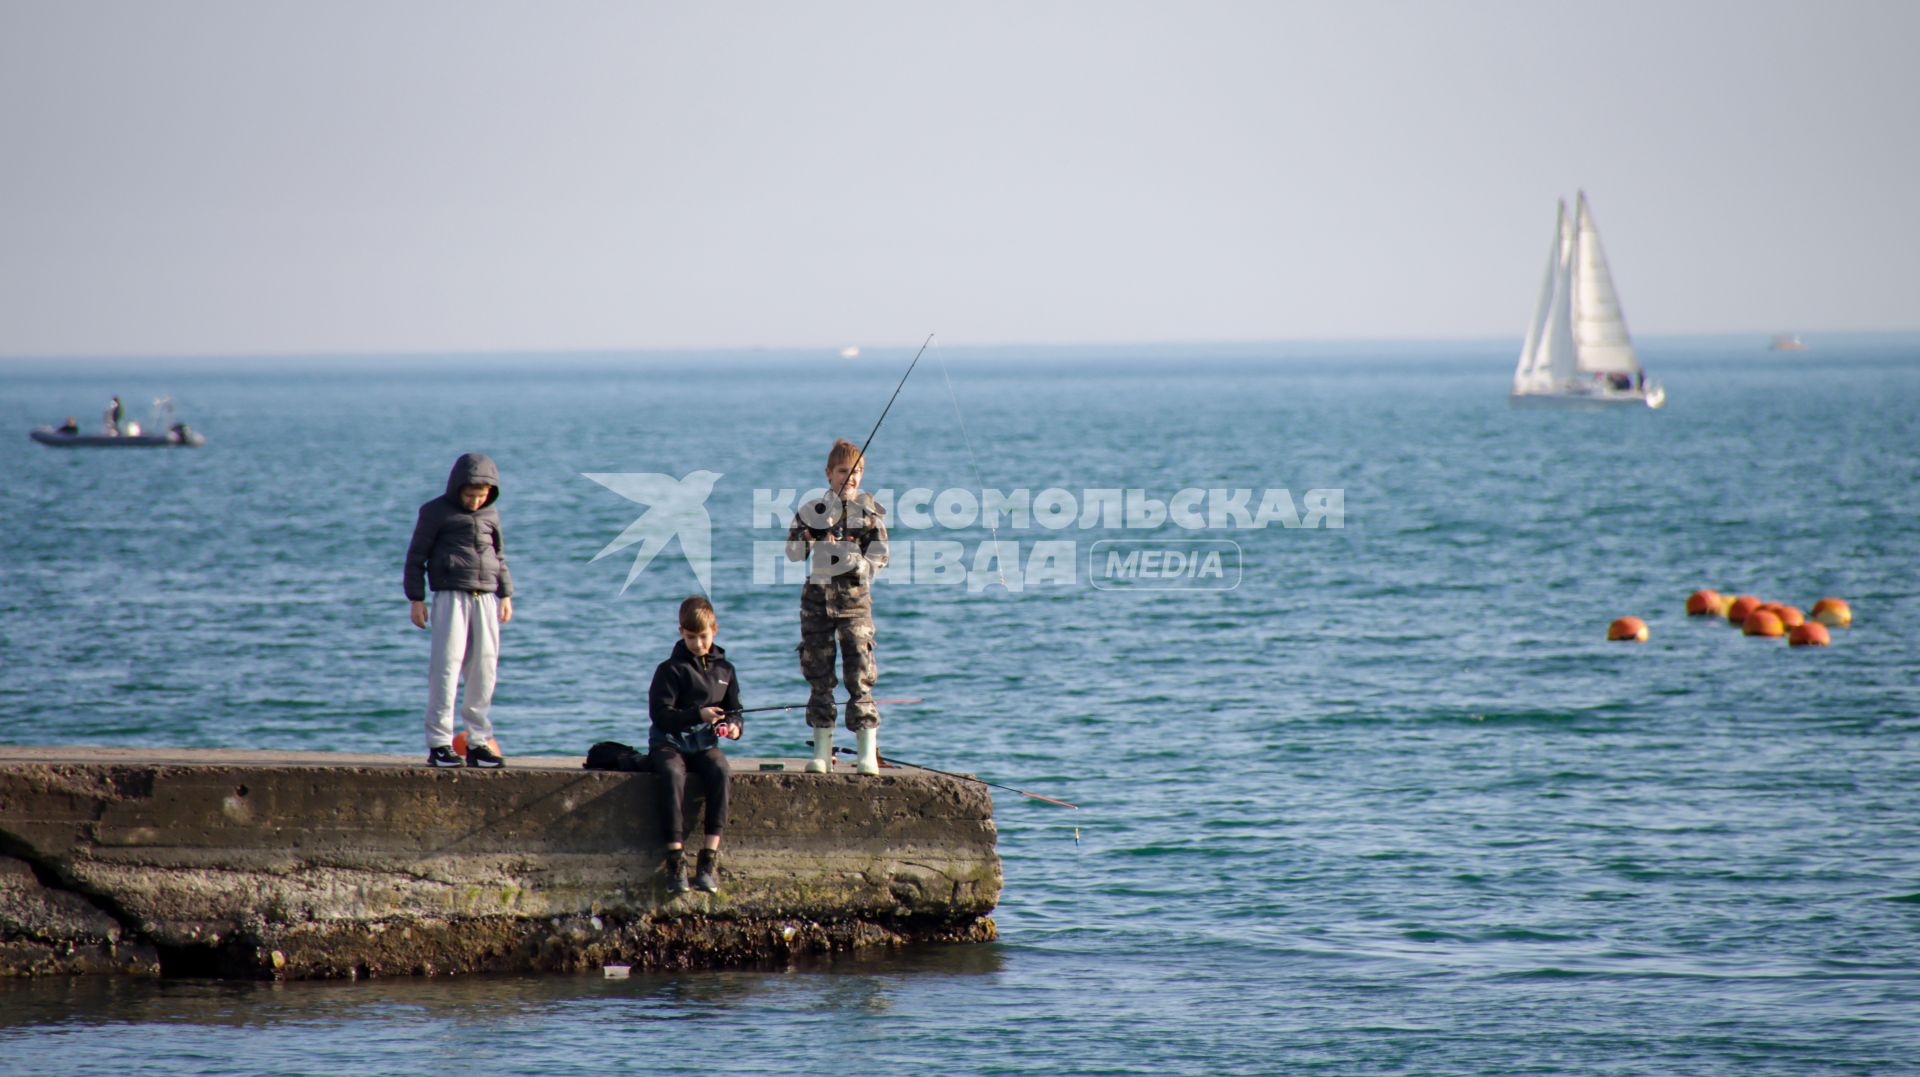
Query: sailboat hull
1652, 397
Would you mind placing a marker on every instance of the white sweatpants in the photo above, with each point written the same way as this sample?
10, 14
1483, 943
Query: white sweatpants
466, 647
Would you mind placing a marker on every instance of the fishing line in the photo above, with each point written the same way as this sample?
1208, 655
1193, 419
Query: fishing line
978, 478
888, 760
861, 460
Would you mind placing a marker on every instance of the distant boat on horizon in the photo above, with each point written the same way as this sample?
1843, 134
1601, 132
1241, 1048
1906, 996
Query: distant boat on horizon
179, 437
1577, 352
128, 434
1787, 342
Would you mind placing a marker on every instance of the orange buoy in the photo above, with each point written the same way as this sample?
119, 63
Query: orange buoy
1811, 634
460, 745
1722, 604
1790, 616
1703, 603
1741, 607
1833, 612
1628, 628
1763, 623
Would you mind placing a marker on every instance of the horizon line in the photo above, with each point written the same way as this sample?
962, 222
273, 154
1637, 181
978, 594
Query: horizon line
668, 351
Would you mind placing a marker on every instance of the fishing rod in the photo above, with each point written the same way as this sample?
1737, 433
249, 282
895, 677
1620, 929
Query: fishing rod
963, 777
731, 729
860, 462
798, 706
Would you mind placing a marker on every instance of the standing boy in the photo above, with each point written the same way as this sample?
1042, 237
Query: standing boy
457, 549
845, 536
693, 702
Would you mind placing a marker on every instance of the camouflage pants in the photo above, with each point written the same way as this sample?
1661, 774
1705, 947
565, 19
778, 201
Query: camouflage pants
820, 636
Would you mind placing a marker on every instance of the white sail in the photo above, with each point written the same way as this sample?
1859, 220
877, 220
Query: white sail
1548, 358
1528, 375
1558, 354
1577, 352
1599, 329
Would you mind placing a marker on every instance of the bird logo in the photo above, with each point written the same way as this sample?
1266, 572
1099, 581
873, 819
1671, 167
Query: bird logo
677, 508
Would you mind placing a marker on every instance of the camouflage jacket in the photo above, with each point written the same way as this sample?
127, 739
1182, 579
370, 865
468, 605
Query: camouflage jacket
846, 545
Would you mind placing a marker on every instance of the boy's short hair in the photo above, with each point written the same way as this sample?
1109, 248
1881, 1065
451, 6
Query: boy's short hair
844, 453
696, 613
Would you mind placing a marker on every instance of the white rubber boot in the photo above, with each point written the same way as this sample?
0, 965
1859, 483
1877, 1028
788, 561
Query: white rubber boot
869, 743
822, 761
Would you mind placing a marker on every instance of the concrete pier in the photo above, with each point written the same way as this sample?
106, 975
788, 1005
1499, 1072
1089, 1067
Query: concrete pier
307, 865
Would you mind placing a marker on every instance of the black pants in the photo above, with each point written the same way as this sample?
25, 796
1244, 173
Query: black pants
670, 778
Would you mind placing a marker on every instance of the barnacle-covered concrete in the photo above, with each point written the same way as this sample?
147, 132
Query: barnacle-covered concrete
306, 865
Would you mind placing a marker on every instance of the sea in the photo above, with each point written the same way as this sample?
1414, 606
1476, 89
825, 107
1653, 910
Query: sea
1360, 786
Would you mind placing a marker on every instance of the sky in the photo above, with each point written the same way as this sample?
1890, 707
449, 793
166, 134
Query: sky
242, 178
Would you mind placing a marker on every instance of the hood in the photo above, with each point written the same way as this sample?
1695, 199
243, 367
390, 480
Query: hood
681, 652
471, 468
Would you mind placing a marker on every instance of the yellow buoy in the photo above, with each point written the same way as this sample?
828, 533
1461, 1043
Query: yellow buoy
1833, 612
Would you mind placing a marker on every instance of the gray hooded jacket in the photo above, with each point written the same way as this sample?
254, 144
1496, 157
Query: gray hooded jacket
457, 550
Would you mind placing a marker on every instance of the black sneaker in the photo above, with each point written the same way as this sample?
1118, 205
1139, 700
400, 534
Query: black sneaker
442, 755
676, 867
479, 755
705, 878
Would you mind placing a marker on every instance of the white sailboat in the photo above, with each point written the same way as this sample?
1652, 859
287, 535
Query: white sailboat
1577, 352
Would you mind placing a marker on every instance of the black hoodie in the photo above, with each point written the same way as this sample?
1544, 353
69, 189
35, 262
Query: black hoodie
681, 686
457, 550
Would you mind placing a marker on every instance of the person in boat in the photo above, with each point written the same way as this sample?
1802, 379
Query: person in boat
844, 534
71, 426
1640, 380
116, 414
693, 702
458, 550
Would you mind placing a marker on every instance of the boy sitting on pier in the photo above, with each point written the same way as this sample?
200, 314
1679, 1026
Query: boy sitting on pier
694, 701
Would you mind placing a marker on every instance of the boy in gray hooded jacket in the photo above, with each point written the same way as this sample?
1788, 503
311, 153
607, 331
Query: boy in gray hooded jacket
457, 549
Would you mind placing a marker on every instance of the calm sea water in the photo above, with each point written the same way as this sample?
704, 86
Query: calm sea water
1392, 805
